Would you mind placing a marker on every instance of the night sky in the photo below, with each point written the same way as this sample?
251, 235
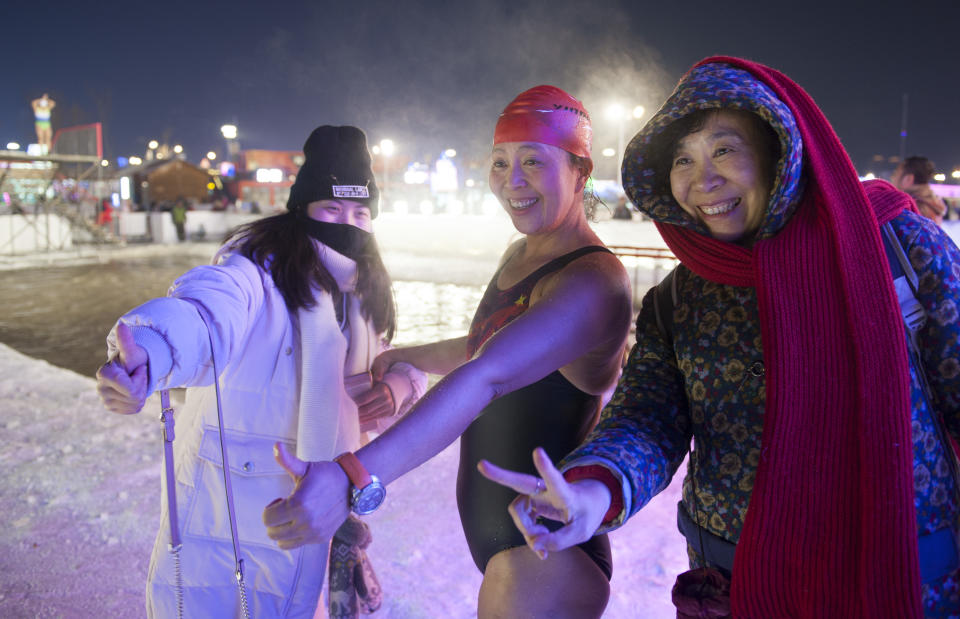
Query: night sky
432, 75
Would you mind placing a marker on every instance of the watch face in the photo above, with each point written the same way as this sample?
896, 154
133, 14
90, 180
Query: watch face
369, 498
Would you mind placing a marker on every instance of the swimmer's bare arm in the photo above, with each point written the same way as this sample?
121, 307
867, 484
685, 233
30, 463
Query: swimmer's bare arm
597, 370
584, 309
435, 358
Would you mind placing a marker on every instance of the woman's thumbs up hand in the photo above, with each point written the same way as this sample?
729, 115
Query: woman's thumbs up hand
122, 381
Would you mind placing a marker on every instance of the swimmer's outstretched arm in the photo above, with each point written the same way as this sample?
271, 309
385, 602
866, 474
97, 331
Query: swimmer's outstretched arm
435, 358
573, 318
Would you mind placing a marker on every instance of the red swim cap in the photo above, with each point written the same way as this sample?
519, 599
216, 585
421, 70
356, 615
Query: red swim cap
547, 115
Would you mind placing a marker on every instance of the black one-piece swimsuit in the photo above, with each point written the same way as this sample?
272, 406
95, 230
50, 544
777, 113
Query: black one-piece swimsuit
550, 413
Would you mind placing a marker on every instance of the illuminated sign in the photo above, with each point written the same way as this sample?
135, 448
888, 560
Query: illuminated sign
269, 175
444, 177
416, 174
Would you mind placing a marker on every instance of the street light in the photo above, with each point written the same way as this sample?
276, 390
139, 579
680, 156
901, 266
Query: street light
211, 155
152, 146
177, 149
615, 112
229, 133
386, 149
618, 114
13, 146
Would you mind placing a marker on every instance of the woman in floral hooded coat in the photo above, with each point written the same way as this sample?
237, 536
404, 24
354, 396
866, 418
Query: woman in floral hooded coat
785, 360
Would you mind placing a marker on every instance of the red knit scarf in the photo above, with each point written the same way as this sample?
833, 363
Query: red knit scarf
831, 529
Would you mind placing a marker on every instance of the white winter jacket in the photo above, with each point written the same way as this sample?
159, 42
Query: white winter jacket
256, 341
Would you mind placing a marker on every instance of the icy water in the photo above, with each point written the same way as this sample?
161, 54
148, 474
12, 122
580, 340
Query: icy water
62, 314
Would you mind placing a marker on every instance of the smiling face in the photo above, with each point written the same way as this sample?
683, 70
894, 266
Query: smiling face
537, 184
341, 212
720, 175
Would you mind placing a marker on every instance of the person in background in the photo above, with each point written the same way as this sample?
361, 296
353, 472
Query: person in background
913, 176
296, 307
622, 210
821, 481
42, 110
105, 214
179, 214
546, 342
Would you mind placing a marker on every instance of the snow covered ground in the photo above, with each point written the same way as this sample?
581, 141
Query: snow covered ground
80, 490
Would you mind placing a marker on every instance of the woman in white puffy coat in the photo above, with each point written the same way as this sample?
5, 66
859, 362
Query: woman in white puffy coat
296, 307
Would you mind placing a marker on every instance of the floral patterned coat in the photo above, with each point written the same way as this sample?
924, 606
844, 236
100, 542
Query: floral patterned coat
708, 385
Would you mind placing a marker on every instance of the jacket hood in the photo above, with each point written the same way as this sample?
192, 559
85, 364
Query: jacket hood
715, 86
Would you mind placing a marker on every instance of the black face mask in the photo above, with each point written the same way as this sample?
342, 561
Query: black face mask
344, 239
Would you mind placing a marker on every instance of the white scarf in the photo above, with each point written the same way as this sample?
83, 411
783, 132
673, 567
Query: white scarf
333, 365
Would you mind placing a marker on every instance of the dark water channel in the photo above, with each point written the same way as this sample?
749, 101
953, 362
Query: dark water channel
62, 314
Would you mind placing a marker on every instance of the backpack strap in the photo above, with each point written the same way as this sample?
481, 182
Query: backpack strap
664, 300
170, 484
905, 283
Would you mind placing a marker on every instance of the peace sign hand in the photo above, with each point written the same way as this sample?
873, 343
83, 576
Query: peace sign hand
580, 505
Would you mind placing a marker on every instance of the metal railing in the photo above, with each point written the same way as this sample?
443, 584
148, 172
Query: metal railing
658, 255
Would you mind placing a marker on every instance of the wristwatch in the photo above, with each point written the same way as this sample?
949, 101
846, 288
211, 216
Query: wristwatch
366, 491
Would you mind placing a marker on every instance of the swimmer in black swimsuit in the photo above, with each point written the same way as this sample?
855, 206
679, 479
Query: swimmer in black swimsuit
551, 413
547, 341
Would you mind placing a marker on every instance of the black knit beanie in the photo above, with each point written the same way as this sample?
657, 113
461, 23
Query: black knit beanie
336, 166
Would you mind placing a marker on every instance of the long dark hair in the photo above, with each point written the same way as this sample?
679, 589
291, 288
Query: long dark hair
279, 246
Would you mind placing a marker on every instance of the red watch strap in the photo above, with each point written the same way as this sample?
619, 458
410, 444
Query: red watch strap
354, 469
